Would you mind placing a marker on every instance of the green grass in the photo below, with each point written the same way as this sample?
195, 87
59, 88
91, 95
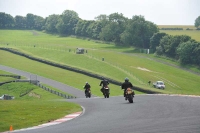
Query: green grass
55, 89
27, 38
68, 77
28, 110
178, 26
5, 73
3, 78
195, 34
118, 64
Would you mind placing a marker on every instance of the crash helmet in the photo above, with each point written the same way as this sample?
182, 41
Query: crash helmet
126, 79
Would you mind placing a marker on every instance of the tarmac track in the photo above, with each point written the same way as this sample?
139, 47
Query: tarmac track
148, 113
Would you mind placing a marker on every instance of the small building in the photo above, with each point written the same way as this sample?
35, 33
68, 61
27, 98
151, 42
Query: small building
80, 51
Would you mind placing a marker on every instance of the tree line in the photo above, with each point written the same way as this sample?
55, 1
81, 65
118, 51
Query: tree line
179, 47
116, 28
112, 28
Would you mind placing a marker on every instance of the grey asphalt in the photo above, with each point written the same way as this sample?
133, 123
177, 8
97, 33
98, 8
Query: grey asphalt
73, 91
148, 114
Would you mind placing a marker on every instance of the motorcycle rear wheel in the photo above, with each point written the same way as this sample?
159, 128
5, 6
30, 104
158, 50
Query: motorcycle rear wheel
130, 100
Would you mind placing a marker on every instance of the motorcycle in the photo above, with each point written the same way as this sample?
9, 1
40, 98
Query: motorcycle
88, 93
129, 95
106, 92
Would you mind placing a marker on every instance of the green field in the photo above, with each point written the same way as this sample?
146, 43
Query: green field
4, 79
37, 107
68, 77
195, 34
118, 62
178, 26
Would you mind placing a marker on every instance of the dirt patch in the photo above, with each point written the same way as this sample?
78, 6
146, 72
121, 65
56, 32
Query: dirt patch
143, 69
32, 94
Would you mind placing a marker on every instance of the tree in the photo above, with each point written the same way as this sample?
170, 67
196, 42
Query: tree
82, 28
67, 22
164, 45
170, 43
114, 28
108, 32
90, 29
197, 54
101, 17
187, 52
6, 20
155, 40
79, 26
175, 41
30, 21
51, 22
138, 32
159, 50
39, 22
197, 22
94, 29
20, 22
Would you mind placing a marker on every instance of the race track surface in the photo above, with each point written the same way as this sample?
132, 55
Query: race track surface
148, 114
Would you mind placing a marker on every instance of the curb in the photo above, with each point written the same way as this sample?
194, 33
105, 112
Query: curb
55, 122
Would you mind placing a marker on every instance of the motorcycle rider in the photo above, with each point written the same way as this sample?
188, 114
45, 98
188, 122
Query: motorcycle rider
105, 83
86, 87
126, 85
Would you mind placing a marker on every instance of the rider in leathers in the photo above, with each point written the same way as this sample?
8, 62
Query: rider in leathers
105, 83
86, 87
126, 85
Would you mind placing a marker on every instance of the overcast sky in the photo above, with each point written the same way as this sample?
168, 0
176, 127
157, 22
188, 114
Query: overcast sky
161, 12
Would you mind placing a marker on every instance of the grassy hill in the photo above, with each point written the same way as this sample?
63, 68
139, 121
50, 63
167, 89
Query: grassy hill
118, 62
178, 26
195, 34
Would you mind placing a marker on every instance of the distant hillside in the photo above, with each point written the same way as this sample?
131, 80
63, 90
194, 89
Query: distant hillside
178, 26
189, 30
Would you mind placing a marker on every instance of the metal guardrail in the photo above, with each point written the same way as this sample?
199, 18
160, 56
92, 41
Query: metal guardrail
6, 82
39, 85
14, 76
56, 92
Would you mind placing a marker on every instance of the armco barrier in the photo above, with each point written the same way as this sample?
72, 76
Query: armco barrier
5, 75
6, 82
41, 86
55, 92
75, 70
14, 76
